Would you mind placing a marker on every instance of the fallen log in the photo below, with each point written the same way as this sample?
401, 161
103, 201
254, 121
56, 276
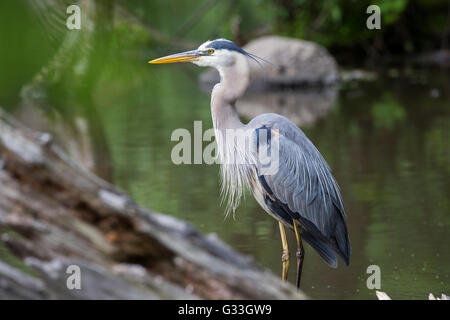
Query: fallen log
55, 214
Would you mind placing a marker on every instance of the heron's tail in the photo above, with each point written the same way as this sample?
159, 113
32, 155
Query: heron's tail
341, 242
322, 247
325, 247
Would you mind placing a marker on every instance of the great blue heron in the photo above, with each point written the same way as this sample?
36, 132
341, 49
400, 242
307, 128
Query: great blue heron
301, 193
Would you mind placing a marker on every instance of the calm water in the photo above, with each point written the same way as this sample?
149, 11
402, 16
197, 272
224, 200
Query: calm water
387, 142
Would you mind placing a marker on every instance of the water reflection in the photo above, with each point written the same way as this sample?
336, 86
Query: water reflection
303, 107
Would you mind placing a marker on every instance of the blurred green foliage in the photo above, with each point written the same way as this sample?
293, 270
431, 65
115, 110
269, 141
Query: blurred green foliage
406, 25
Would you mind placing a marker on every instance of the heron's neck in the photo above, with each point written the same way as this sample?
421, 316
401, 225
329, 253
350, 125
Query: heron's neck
234, 81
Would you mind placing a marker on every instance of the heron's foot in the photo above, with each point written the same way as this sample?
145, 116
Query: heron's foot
300, 256
300, 253
285, 262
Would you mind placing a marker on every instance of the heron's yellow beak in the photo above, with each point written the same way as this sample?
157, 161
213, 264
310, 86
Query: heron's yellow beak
187, 56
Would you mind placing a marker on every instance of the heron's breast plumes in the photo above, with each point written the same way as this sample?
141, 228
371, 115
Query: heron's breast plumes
236, 165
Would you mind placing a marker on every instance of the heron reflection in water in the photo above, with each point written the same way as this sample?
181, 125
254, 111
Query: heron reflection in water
301, 194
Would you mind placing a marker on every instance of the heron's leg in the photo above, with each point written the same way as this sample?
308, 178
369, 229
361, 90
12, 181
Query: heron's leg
285, 255
300, 254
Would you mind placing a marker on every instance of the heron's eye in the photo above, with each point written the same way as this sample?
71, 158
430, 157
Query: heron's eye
210, 51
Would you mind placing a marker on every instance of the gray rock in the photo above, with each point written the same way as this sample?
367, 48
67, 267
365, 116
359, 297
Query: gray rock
296, 62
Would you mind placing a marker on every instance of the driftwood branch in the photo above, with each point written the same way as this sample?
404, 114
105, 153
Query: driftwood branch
54, 213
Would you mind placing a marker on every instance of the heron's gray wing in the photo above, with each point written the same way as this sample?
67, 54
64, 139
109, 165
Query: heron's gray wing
304, 187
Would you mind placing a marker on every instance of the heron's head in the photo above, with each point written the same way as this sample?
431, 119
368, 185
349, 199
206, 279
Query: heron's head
216, 53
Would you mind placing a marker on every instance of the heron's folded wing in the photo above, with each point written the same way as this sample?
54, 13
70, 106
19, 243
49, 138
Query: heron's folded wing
304, 183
